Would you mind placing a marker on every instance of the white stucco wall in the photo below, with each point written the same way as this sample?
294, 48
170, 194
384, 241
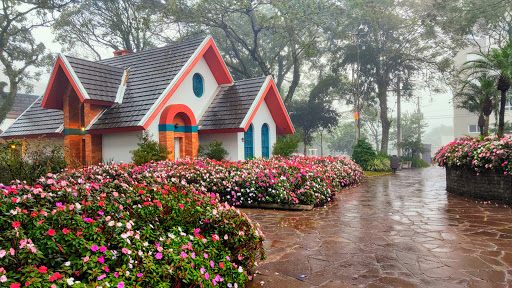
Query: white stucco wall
230, 141
185, 95
117, 146
262, 116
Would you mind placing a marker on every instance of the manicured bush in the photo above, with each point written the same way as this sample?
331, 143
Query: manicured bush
416, 162
213, 150
478, 153
363, 154
286, 145
149, 150
28, 161
122, 226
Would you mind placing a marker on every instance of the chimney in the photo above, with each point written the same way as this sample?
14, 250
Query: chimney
122, 52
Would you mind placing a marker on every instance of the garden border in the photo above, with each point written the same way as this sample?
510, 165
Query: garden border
487, 185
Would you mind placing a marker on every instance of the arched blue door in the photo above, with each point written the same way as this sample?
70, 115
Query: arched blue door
248, 143
265, 142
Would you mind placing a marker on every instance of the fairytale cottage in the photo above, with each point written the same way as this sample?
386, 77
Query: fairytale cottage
182, 94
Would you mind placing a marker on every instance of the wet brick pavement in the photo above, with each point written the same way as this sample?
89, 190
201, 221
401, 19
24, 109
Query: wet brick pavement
400, 230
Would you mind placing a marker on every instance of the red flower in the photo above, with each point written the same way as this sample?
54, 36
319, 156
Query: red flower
182, 206
51, 232
101, 203
43, 269
66, 230
16, 224
15, 285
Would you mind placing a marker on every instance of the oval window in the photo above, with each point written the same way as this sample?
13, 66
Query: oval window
198, 84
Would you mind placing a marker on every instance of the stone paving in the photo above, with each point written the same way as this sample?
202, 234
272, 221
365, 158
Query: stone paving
399, 230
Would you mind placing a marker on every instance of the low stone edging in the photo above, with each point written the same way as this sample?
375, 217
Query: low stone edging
278, 206
488, 185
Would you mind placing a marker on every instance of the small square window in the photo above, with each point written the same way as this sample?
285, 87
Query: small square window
474, 129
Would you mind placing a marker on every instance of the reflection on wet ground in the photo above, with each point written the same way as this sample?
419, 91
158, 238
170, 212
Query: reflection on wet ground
400, 230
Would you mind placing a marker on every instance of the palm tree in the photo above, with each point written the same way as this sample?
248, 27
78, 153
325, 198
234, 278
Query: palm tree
479, 96
498, 66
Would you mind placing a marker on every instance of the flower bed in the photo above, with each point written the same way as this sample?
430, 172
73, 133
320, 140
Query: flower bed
155, 225
480, 168
298, 180
108, 225
475, 153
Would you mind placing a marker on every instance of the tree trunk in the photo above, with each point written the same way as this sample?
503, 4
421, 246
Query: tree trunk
481, 124
486, 127
501, 124
386, 124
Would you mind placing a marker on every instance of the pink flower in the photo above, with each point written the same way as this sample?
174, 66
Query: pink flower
94, 248
86, 259
103, 249
120, 285
139, 275
215, 237
43, 269
181, 206
102, 277
158, 256
66, 230
125, 251
101, 259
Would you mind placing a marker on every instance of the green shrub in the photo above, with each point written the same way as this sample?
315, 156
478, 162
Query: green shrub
29, 161
380, 163
213, 150
363, 154
286, 145
149, 150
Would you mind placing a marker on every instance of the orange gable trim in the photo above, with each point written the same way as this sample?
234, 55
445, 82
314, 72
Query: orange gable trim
216, 65
277, 110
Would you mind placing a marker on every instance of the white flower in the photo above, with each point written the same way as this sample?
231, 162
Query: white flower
3, 279
119, 224
70, 281
67, 263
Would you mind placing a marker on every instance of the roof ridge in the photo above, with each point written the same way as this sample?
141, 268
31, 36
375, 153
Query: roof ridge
152, 49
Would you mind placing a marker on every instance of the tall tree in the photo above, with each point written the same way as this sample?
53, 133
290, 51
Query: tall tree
498, 65
18, 49
262, 37
479, 96
395, 37
94, 24
315, 113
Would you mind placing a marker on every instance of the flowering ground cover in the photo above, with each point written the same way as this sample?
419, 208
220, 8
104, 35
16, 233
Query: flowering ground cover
479, 154
161, 224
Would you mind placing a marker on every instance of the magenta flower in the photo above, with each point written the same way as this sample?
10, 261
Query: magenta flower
120, 284
103, 249
94, 248
158, 255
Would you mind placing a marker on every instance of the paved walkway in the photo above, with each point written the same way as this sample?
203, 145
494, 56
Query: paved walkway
399, 230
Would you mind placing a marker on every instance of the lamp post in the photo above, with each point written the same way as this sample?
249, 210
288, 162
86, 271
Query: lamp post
357, 107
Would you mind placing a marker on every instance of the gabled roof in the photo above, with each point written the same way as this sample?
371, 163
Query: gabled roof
21, 103
99, 80
234, 107
35, 121
231, 104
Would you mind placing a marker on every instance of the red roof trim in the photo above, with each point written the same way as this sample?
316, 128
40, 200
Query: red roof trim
50, 100
218, 131
115, 130
213, 59
277, 110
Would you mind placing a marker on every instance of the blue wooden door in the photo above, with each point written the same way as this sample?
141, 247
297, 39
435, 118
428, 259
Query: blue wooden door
248, 143
265, 142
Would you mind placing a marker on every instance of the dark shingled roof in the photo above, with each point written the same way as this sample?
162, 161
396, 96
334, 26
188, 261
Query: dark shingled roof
99, 80
21, 103
36, 120
151, 72
231, 104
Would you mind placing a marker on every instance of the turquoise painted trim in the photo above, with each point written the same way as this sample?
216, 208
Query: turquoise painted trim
184, 129
74, 131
